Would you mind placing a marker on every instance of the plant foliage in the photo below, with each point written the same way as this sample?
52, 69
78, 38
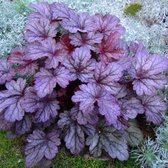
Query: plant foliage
76, 80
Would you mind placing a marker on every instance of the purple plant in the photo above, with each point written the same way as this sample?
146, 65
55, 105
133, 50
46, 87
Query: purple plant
76, 80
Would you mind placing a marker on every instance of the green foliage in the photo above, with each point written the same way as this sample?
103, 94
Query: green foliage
132, 9
10, 155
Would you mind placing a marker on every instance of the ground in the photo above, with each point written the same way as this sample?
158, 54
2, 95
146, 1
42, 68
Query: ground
11, 157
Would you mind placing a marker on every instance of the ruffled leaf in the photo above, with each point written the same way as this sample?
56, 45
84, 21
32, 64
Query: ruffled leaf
80, 64
4, 124
110, 140
47, 48
46, 80
154, 108
43, 10
24, 66
44, 108
91, 94
88, 40
134, 134
6, 72
107, 76
131, 108
74, 132
111, 48
107, 24
39, 30
41, 145
82, 22
23, 126
11, 100
147, 71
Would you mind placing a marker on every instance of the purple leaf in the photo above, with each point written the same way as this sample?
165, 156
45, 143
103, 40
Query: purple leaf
131, 108
43, 11
67, 47
39, 30
134, 134
47, 108
11, 100
46, 80
47, 48
84, 118
24, 66
23, 126
90, 94
136, 47
74, 139
4, 124
147, 71
74, 132
62, 11
107, 76
87, 40
111, 48
6, 72
41, 145
80, 64
81, 22
31, 100
110, 140
154, 108
107, 24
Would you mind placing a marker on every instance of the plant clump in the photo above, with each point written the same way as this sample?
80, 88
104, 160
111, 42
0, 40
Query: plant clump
76, 83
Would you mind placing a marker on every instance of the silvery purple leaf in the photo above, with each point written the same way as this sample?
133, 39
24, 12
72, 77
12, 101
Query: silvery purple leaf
11, 100
31, 100
24, 66
67, 47
135, 48
62, 11
84, 118
110, 140
90, 94
43, 11
6, 72
107, 76
80, 64
74, 139
111, 48
122, 92
131, 108
134, 135
39, 30
147, 71
154, 108
107, 24
47, 108
46, 80
74, 132
4, 124
44, 108
47, 48
87, 40
23, 126
41, 145
81, 22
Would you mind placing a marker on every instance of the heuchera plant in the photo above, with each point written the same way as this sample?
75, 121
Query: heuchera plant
76, 83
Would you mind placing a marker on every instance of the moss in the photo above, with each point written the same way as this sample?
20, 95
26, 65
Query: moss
132, 9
